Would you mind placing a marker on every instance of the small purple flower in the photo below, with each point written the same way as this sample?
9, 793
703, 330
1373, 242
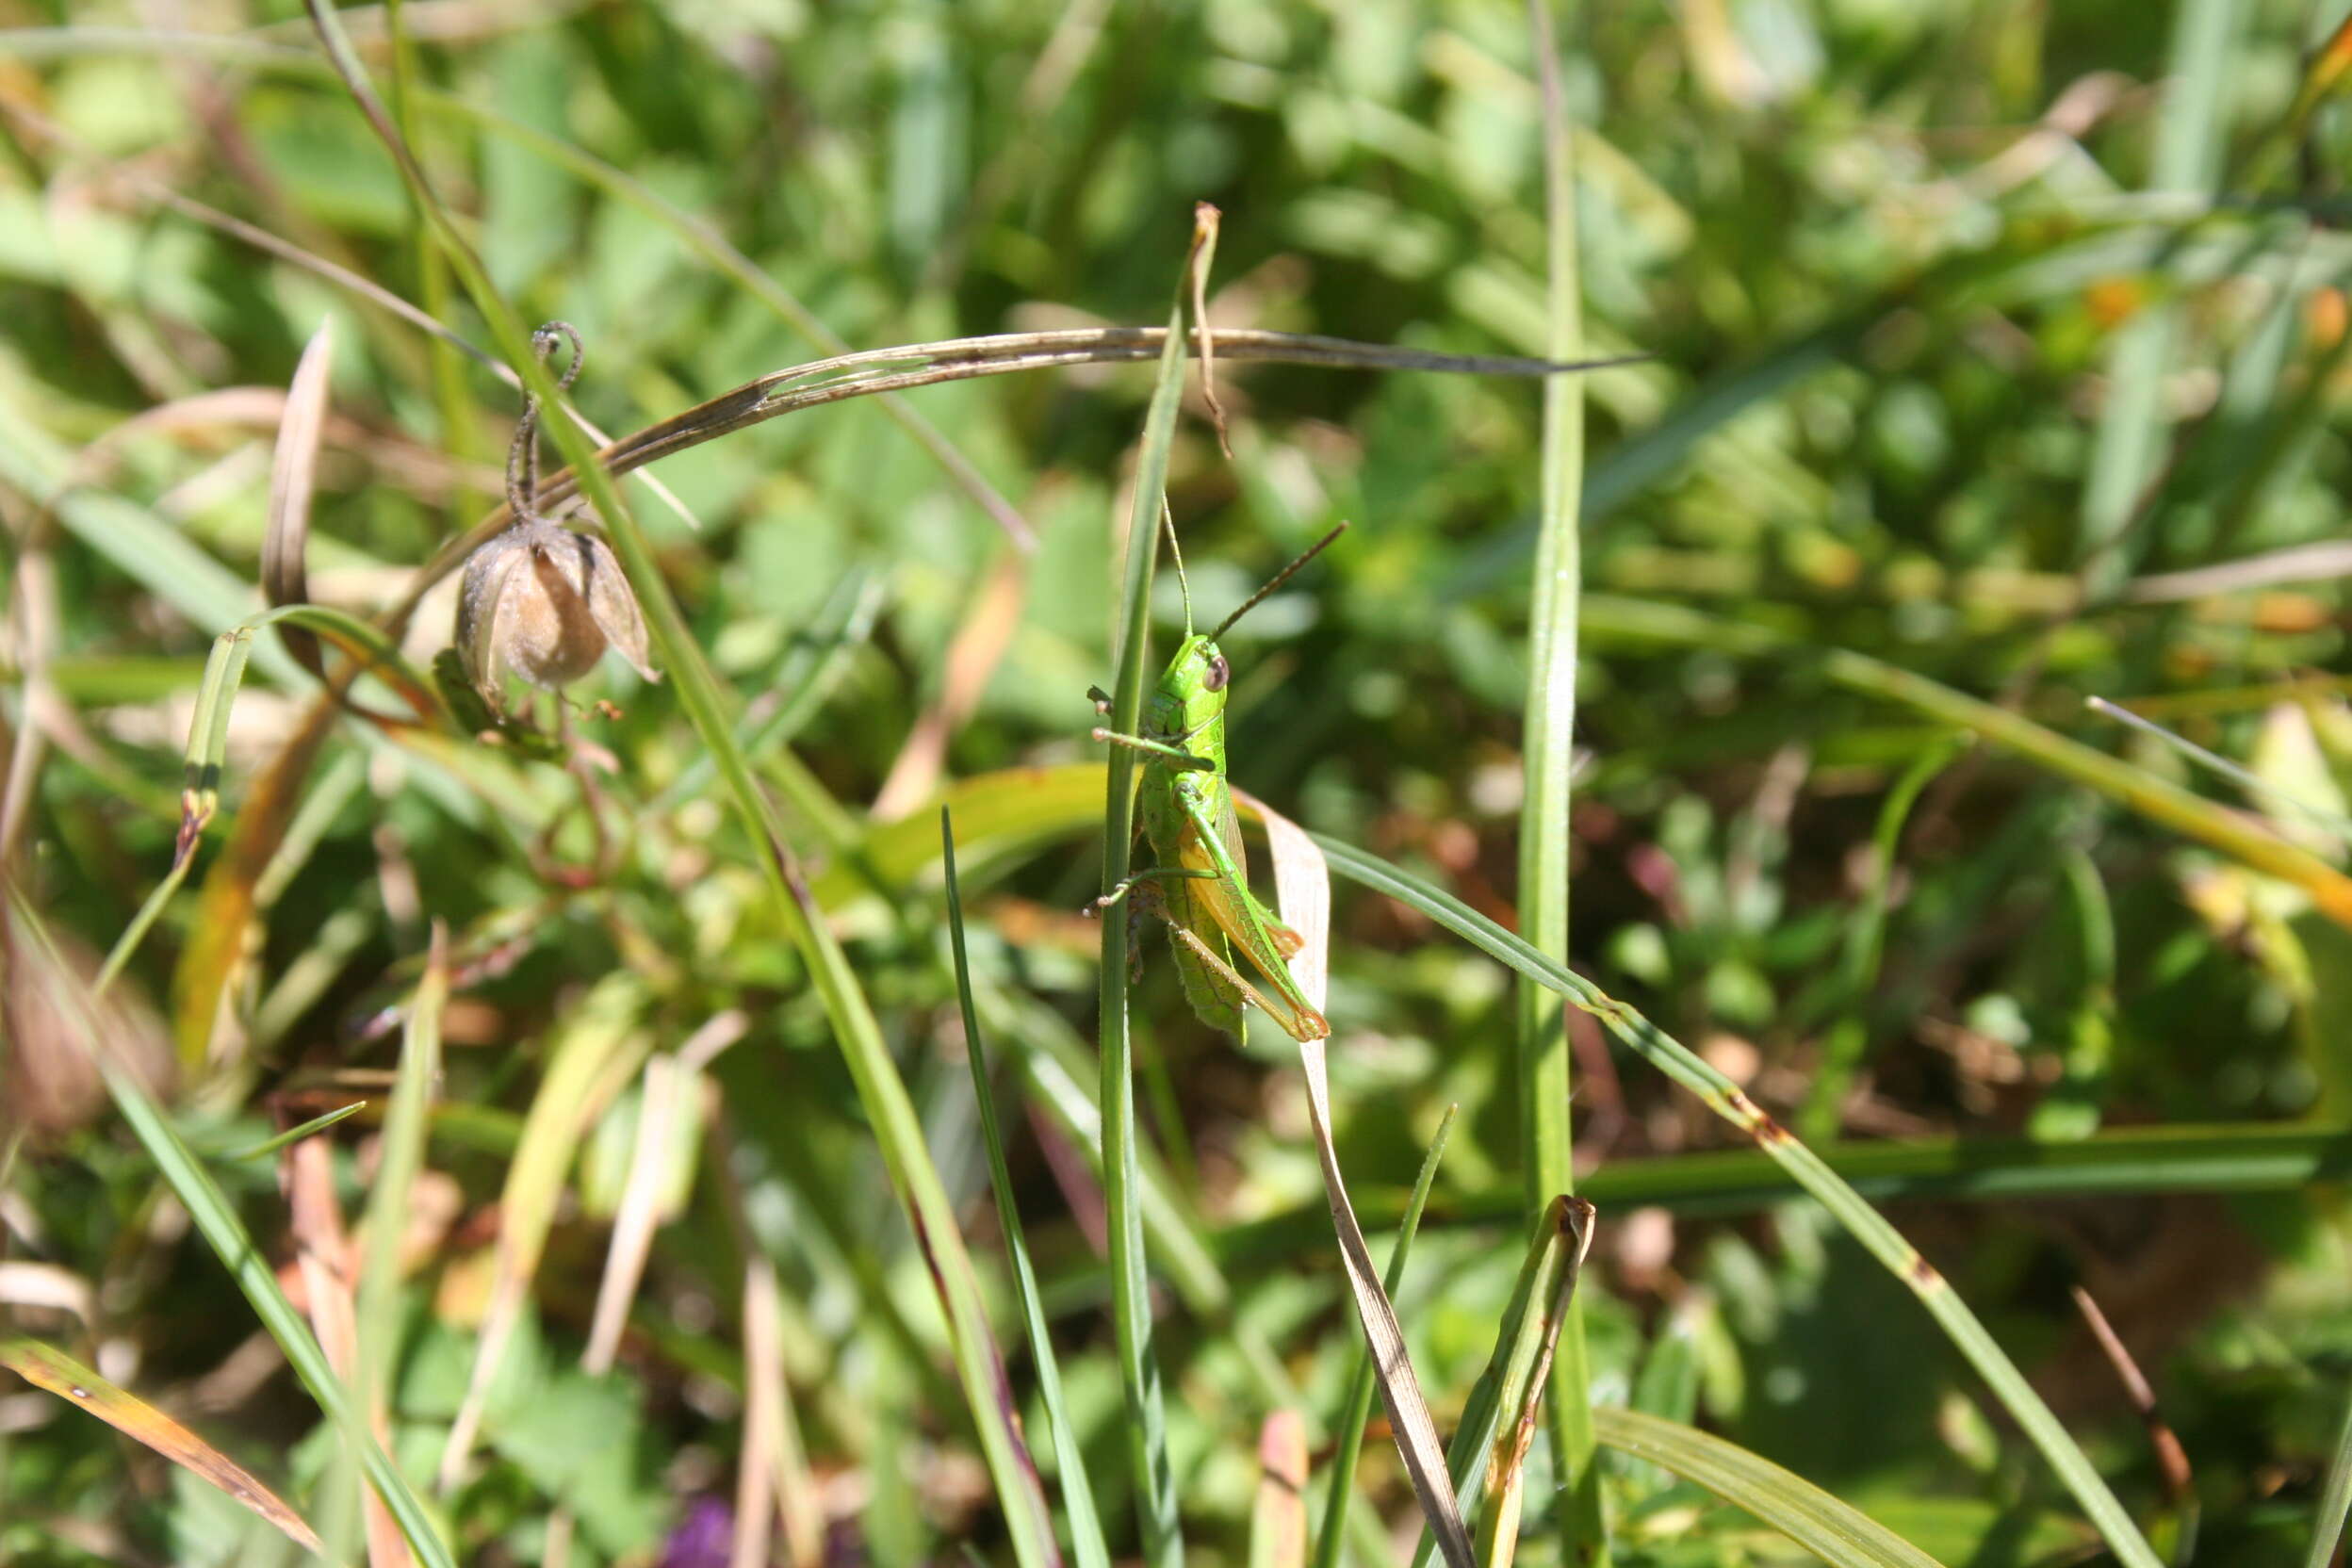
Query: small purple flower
702, 1539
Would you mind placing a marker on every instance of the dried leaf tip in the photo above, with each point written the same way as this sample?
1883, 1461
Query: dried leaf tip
1205, 223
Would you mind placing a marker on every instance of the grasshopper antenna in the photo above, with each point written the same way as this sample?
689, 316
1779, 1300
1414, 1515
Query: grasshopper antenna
1183, 583
1277, 581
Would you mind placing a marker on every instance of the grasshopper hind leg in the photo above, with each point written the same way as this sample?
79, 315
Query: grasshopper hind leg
1212, 987
1220, 983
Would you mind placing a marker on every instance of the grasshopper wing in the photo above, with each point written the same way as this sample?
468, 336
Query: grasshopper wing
1234, 912
1206, 971
1286, 941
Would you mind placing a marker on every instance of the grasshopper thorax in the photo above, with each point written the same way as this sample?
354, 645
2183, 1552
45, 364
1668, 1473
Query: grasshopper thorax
1191, 694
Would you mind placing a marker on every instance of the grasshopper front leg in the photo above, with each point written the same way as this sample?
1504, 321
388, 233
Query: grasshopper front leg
1165, 755
1155, 874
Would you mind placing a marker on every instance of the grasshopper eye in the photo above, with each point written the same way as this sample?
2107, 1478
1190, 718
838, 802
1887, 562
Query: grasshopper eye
1219, 673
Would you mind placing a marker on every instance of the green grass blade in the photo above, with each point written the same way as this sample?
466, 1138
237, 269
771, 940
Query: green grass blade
1556, 1247
1050, 1058
1633, 465
1085, 1527
293, 1135
1358, 1411
1838, 1533
2128, 449
1864, 1223
1547, 1151
1565, 1236
461, 428
200, 790
2223, 1157
2335, 1501
1848, 1037
208, 739
1130, 1292
1050, 1061
898, 1131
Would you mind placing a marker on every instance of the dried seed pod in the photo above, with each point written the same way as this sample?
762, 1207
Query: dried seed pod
542, 602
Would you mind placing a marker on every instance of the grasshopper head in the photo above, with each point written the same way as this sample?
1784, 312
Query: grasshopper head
1191, 692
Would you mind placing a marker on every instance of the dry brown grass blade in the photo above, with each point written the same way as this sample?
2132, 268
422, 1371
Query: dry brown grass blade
635, 1224
50, 1288
33, 626
774, 1469
422, 470
898, 369
47, 1368
2172, 1461
324, 1257
972, 656
667, 1083
293, 480
1302, 883
754, 1475
1278, 1520
1204, 222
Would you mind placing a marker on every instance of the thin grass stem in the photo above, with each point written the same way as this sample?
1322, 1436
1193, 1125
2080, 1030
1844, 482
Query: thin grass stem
1547, 1152
1086, 1524
1131, 1290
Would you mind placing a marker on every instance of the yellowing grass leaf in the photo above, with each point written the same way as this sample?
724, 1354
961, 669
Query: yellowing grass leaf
605, 1035
47, 1367
999, 817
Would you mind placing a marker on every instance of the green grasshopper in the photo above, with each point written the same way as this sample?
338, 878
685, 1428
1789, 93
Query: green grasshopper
1201, 885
